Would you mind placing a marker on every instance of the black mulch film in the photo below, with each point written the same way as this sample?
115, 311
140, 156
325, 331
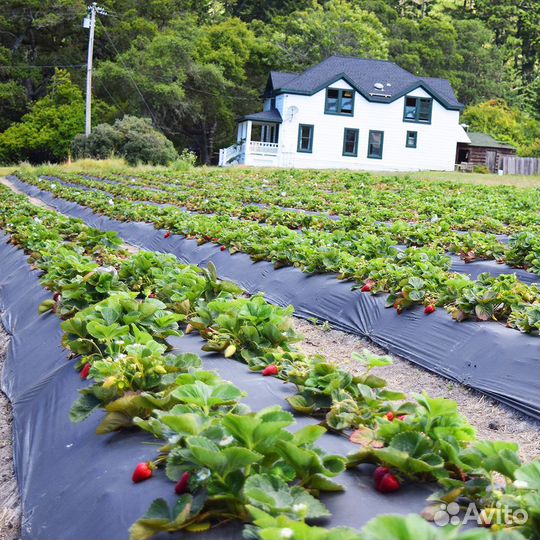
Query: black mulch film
486, 356
76, 485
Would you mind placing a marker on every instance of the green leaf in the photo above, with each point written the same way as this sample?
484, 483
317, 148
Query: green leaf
83, 408
274, 496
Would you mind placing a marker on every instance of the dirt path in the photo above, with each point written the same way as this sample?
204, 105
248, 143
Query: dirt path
492, 420
10, 513
33, 200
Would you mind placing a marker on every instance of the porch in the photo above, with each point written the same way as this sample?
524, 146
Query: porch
257, 141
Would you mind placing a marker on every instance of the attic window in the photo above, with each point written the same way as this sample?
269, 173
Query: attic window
339, 101
417, 110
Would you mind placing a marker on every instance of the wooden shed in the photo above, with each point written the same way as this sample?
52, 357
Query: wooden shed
482, 150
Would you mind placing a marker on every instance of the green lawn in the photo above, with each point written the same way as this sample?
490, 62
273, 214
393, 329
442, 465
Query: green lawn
471, 178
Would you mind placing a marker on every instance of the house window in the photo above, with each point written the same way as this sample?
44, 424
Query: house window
350, 142
410, 141
417, 109
305, 138
339, 101
375, 144
273, 103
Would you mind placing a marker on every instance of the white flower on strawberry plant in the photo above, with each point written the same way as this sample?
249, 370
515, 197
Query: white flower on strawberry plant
286, 533
203, 474
299, 508
226, 440
435, 218
37, 220
283, 193
111, 202
521, 484
53, 186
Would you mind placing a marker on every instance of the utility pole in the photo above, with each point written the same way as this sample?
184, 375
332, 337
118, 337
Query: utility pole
90, 22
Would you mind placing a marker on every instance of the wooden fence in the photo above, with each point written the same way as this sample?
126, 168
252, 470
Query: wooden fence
520, 165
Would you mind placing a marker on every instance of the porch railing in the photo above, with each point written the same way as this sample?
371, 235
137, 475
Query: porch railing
257, 147
226, 155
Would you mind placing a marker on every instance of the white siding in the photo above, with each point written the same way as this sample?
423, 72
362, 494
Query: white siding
436, 142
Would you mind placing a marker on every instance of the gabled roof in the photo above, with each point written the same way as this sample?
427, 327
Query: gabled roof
486, 141
362, 74
264, 116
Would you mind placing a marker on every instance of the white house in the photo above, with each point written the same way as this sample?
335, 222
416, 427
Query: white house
351, 113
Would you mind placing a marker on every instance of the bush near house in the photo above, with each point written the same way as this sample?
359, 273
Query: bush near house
133, 138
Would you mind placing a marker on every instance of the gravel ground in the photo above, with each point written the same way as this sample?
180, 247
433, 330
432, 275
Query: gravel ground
9, 494
492, 420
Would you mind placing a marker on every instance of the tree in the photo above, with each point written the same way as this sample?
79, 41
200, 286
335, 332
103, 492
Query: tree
192, 80
45, 133
480, 73
507, 124
308, 36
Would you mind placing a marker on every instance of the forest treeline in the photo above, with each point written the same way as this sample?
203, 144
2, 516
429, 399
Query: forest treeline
193, 66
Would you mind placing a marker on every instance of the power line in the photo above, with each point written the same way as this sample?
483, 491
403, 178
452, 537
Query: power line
34, 66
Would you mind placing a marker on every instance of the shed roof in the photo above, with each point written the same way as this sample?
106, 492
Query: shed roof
486, 141
362, 74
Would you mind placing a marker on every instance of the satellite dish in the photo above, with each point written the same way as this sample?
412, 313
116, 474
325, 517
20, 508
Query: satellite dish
291, 111
379, 86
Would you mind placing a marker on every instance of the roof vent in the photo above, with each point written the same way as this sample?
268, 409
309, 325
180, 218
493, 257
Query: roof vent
379, 86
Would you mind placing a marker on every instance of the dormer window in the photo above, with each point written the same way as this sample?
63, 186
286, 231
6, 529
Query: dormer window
417, 109
339, 101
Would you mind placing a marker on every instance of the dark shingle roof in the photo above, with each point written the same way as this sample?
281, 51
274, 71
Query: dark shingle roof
280, 78
486, 141
264, 116
362, 74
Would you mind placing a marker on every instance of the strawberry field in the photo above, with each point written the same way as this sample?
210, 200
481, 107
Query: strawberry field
416, 241
245, 434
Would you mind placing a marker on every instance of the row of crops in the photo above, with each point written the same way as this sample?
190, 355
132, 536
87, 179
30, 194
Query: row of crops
393, 236
225, 462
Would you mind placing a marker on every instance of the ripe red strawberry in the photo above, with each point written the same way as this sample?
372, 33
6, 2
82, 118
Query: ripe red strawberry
398, 310
270, 370
143, 471
152, 295
182, 484
390, 416
167, 234
378, 473
57, 296
388, 483
84, 371
366, 288
429, 309
223, 248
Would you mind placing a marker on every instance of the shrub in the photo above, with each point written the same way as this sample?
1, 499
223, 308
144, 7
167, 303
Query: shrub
133, 138
101, 144
482, 169
185, 161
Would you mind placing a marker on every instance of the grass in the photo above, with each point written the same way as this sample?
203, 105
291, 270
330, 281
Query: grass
517, 180
4, 171
118, 165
